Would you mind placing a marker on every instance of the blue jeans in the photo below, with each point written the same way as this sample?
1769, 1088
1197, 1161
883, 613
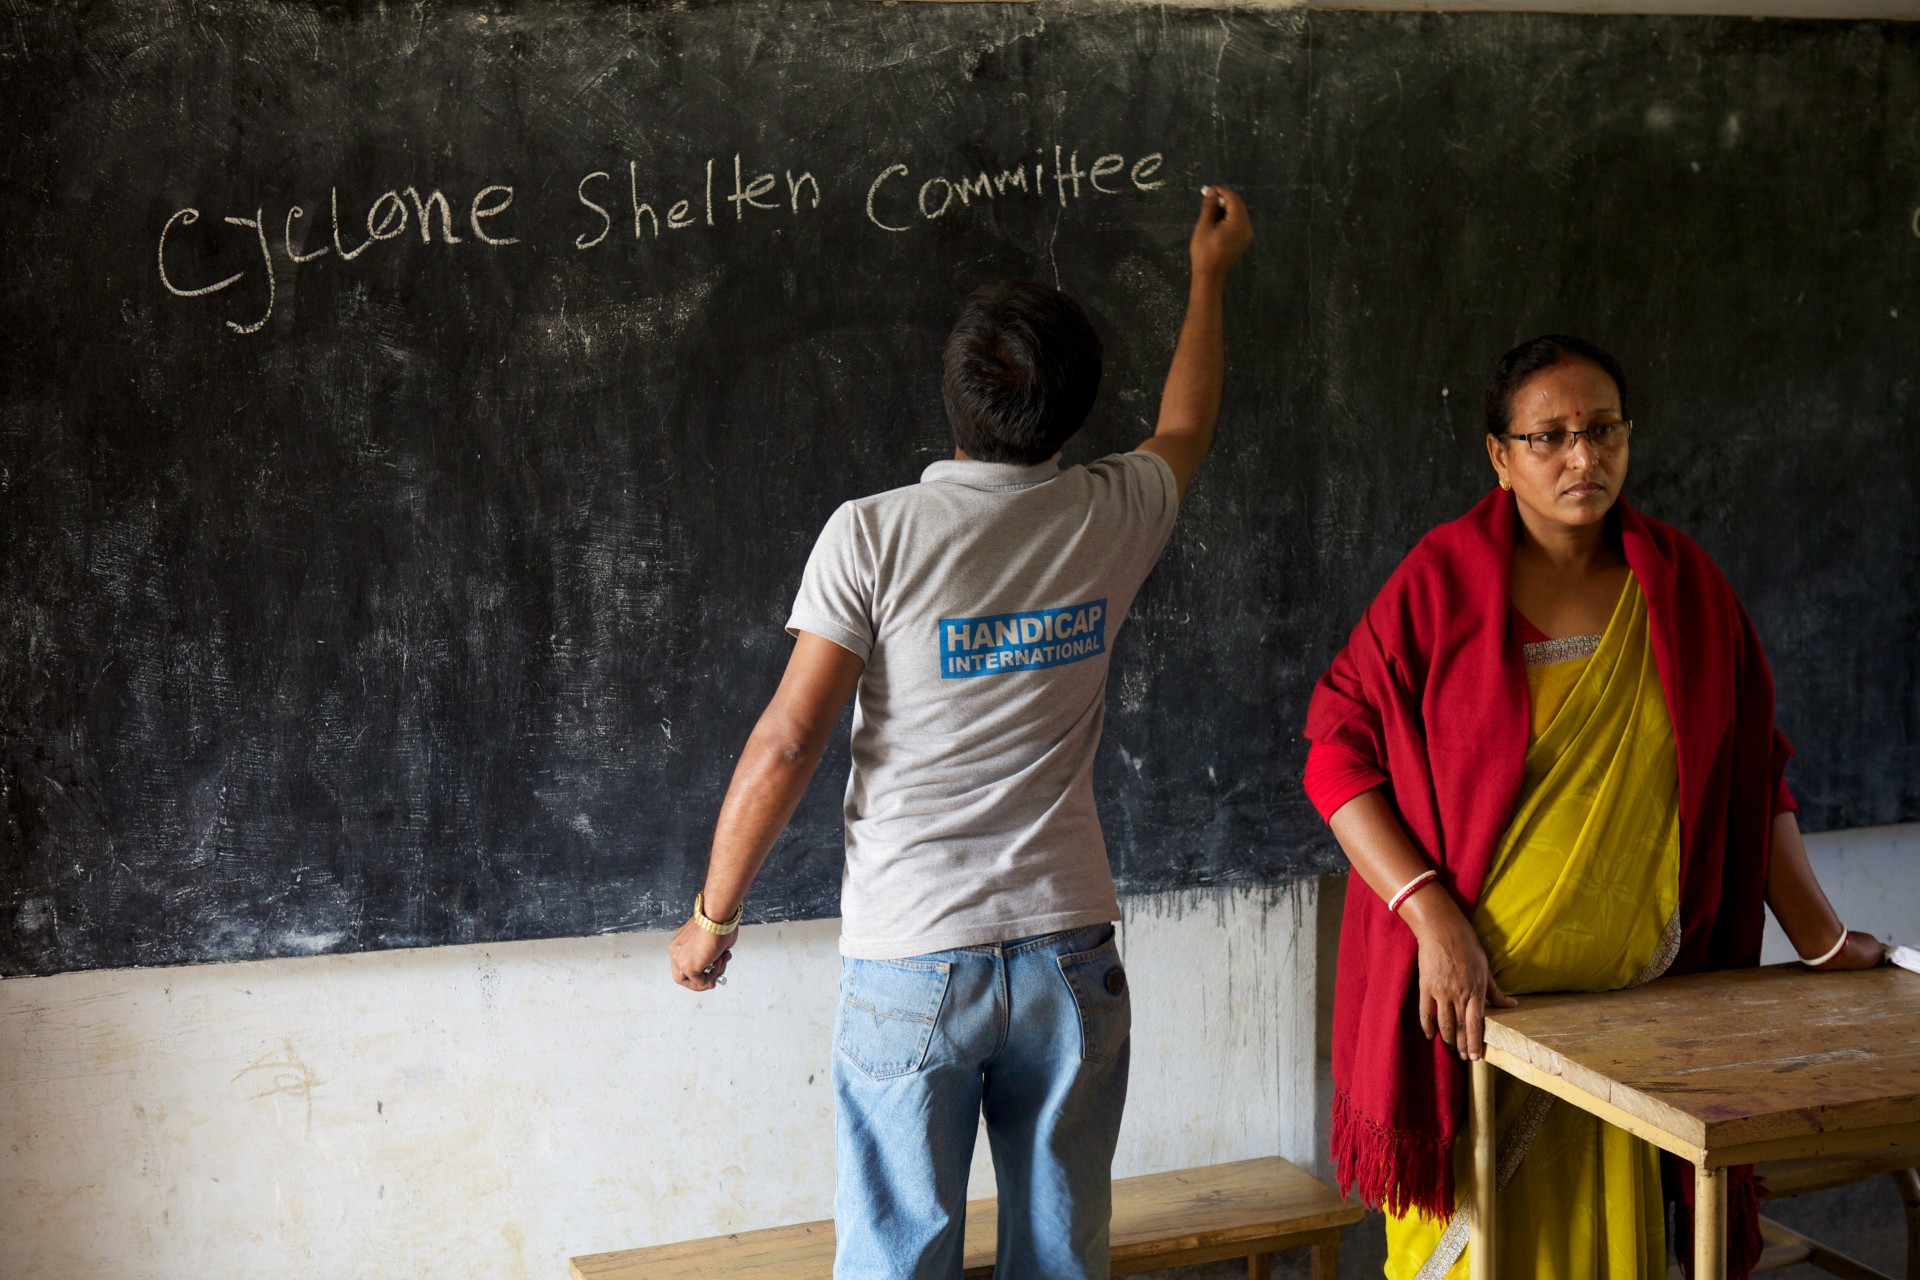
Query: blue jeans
1031, 1032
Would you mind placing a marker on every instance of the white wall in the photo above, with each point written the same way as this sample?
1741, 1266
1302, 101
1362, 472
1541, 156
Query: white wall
484, 1112
488, 1111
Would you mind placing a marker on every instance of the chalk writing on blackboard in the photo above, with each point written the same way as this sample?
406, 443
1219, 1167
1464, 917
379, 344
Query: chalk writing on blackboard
747, 194
714, 193
387, 218
936, 195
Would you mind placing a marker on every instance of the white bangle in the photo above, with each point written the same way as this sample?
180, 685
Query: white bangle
1832, 951
1408, 889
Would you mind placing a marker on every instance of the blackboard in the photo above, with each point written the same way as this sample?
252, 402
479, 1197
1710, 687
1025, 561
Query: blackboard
418, 586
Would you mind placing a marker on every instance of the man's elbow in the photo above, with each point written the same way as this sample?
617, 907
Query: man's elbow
791, 744
791, 753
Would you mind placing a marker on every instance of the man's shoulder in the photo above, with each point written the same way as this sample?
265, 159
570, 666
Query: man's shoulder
1138, 484
870, 508
1140, 463
1121, 480
886, 498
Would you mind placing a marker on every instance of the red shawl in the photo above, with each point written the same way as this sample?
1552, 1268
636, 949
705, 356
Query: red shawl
1430, 699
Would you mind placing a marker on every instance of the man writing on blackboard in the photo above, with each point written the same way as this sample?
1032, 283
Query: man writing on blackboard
973, 614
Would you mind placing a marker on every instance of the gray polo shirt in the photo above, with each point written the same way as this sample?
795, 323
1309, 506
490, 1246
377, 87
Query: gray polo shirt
984, 601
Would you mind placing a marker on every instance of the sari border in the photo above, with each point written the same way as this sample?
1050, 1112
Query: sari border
1543, 653
1518, 1141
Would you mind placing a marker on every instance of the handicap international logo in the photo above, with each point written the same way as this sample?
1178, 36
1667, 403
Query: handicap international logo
1005, 642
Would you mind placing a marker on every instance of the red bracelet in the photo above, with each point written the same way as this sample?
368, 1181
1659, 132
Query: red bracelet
1412, 887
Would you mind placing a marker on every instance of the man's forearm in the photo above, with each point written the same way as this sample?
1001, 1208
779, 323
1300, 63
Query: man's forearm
1190, 402
772, 775
774, 768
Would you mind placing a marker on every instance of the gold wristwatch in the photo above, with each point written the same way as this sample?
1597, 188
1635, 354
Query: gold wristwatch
720, 928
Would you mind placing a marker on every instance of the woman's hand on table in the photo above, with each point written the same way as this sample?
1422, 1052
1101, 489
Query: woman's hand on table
1863, 951
1456, 981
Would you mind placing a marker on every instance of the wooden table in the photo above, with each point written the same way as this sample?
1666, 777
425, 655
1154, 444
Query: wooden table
1718, 1068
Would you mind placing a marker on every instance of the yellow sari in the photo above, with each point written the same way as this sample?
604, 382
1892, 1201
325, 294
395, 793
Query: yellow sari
1582, 895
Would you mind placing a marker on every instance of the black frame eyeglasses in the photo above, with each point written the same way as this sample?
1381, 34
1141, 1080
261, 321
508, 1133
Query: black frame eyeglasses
1600, 437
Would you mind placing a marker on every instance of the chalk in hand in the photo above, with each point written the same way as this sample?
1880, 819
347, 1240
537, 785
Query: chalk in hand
1905, 957
1208, 191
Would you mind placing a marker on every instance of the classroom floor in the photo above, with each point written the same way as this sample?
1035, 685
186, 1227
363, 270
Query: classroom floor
1864, 1219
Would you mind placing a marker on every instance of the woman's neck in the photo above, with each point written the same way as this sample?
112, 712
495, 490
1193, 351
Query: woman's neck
1568, 550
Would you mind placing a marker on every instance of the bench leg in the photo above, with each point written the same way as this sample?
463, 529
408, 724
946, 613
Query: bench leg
1259, 1266
1326, 1260
1908, 1180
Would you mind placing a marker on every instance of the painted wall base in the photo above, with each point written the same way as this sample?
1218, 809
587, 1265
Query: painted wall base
486, 1112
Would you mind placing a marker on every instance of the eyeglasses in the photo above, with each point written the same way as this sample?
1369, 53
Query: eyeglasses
1601, 435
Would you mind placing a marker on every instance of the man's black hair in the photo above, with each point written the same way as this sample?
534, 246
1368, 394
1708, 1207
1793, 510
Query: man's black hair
1529, 358
1022, 367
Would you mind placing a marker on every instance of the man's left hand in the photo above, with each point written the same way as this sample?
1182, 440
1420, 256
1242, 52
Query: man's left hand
698, 958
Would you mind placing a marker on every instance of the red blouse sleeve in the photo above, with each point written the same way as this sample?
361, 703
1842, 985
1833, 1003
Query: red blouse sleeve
1348, 755
1336, 775
1783, 801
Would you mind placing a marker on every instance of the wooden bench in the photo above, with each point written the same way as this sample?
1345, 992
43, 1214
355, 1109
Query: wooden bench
1248, 1209
1786, 1247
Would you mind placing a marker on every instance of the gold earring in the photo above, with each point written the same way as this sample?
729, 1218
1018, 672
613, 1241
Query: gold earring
1505, 483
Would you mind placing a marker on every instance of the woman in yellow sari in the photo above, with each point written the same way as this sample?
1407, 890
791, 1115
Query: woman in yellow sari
1548, 751
1583, 895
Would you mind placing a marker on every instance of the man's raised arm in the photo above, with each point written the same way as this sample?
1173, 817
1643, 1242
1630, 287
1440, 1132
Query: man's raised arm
1191, 401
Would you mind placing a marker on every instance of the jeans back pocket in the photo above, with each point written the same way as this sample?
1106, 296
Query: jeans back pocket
887, 1012
1098, 982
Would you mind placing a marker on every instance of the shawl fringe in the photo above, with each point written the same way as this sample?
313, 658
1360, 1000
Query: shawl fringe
1395, 1169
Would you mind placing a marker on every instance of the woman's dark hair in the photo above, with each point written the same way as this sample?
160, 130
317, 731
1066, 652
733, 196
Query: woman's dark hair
1022, 367
1531, 357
